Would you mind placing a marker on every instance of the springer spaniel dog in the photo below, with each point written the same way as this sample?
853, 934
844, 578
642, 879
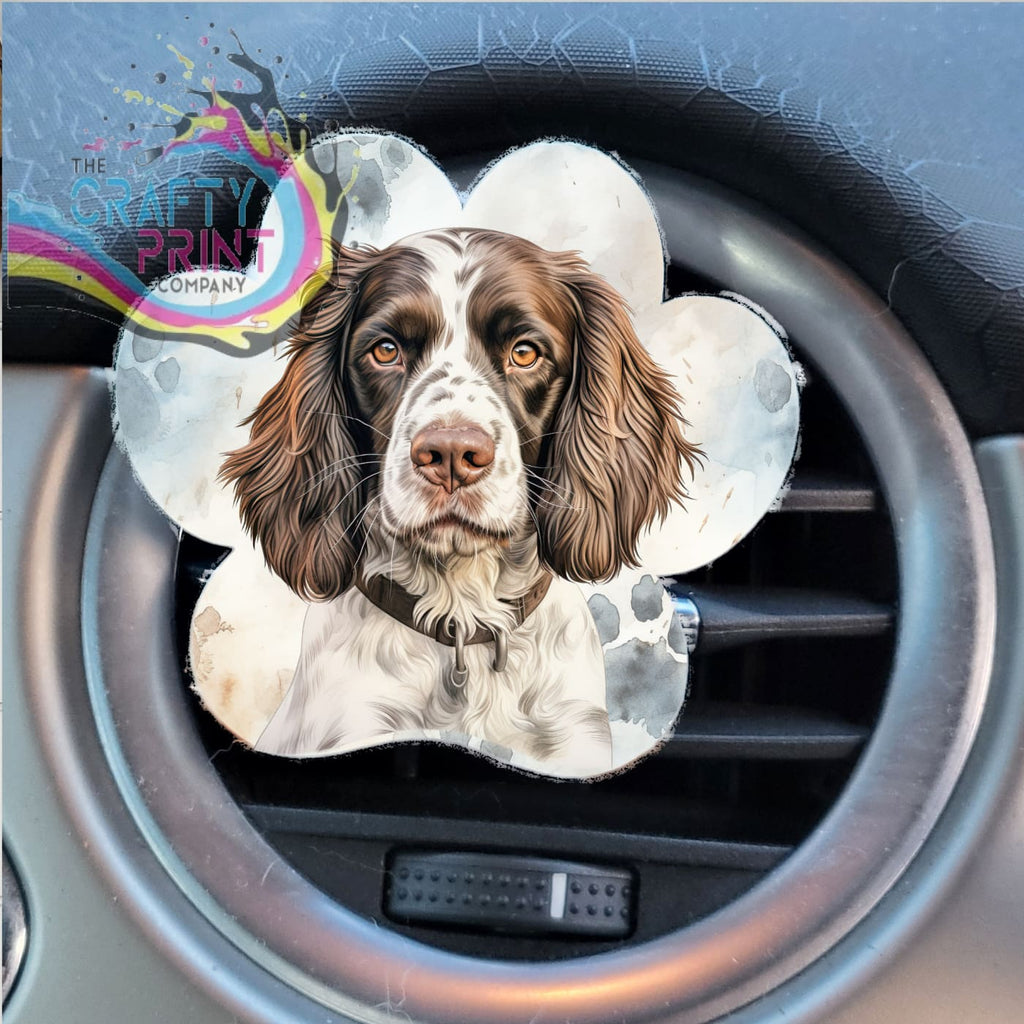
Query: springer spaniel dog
466, 424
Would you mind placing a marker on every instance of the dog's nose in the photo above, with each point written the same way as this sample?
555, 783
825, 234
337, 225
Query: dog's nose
452, 456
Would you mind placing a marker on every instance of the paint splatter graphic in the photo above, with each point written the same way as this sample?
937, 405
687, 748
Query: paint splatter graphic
252, 130
188, 64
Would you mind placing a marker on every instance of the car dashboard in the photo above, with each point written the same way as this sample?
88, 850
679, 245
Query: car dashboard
833, 832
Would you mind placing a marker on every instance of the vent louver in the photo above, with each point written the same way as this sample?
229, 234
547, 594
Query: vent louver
787, 678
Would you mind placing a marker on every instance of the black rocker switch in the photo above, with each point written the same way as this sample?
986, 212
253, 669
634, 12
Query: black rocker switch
527, 895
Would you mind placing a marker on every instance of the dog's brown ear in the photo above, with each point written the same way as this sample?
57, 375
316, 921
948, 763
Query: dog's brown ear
615, 461
298, 482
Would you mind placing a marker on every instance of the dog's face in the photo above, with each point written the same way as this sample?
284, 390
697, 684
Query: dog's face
463, 374
460, 388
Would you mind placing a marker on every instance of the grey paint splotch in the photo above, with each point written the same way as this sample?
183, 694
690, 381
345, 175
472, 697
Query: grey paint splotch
646, 599
496, 751
138, 409
772, 384
396, 157
606, 618
145, 349
368, 188
167, 374
677, 636
645, 683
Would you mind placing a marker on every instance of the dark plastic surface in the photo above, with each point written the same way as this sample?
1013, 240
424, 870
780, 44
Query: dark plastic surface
574, 842
15, 927
501, 893
762, 732
731, 616
820, 493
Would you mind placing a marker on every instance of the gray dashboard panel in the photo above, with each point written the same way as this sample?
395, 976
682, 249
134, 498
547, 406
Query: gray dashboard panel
87, 959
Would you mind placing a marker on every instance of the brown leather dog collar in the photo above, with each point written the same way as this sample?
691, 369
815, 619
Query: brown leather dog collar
394, 599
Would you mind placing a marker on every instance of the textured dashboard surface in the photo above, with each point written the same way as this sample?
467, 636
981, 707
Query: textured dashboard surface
891, 134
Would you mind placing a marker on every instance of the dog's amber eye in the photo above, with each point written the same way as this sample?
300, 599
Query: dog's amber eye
523, 355
386, 352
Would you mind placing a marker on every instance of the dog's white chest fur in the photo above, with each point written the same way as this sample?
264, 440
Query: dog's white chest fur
365, 678
462, 414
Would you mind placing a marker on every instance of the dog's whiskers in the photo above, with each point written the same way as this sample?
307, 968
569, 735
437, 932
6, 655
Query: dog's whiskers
353, 460
352, 526
536, 522
552, 502
535, 476
356, 419
557, 504
537, 437
356, 519
541, 500
366, 532
391, 561
328, 515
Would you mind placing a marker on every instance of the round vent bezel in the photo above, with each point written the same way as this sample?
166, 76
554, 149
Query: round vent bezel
305, 952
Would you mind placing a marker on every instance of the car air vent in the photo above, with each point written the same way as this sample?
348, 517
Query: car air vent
822, 740
788, 676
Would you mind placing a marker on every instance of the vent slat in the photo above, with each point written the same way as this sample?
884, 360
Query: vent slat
820, 492
731, 616
758, 731
519, 837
